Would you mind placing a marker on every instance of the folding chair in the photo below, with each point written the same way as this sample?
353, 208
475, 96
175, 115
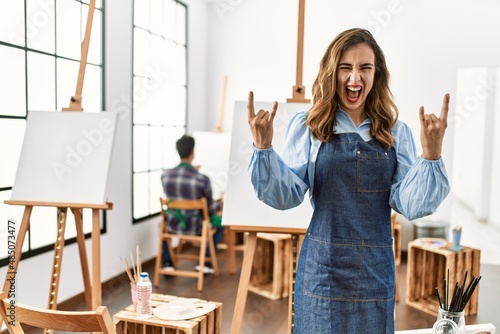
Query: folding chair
206, 238
13, 315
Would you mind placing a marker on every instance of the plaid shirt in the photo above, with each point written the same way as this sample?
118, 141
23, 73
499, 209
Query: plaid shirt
185, 182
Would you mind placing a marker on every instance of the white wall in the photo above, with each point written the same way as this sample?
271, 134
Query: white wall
198, 45
474, 139
494, 213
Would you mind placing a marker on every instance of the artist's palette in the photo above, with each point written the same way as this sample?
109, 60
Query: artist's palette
183, 309
432, 242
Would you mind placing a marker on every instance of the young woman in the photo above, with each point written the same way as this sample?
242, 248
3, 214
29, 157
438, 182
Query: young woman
358, 161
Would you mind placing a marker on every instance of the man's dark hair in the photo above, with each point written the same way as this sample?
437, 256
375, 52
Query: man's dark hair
185, 146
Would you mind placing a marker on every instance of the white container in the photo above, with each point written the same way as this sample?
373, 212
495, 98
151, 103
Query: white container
144, 291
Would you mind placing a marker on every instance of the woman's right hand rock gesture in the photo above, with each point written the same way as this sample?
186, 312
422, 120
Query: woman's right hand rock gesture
261, 123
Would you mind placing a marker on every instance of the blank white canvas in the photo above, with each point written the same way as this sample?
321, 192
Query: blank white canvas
211, 153
241, 205
65, 157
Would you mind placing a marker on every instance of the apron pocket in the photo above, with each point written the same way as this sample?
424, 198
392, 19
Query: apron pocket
373, 172
348, 270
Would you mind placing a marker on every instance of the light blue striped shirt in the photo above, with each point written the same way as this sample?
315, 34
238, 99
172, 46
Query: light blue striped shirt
418, 186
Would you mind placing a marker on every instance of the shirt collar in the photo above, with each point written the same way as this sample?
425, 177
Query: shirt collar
346, 121
185, 165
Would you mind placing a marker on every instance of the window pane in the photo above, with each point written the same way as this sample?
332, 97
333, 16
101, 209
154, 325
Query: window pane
176, 109
41, 82
159, 58
11, 137
156, 16
170, 156
178, 54
141, 195
141, 148
181, 24
41, 25
95, 46
68, 29
141, 52
156, 147
141, 101
149, 99
12, 82
141, 14
156, 191
12, 22
170, 14
155, 102
92, 89
67, 77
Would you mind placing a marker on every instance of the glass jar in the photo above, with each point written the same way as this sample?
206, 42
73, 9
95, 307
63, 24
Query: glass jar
449, 322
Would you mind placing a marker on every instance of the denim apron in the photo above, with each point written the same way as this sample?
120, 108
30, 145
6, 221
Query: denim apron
345, 274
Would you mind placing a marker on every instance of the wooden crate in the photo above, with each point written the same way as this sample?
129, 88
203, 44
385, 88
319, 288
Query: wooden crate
428, 262
271, 266
127, 322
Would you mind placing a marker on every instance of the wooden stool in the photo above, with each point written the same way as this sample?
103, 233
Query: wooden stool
126, 321
429, 260
270, 271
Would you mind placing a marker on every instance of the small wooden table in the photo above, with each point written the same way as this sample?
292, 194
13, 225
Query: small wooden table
429, 260
126, 321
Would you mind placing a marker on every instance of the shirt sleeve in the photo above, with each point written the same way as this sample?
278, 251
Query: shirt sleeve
419, 185
282, 182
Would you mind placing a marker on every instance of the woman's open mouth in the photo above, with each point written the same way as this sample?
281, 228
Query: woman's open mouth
353, 93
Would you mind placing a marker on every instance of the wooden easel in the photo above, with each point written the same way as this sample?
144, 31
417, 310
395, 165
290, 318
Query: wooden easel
76, 100
299, 90
93, 293
92, 287
246, 270
218, 126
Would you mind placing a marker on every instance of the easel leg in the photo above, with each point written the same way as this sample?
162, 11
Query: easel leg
246, 270
80, 239
13, 263
12, 266
231, 250
96, 259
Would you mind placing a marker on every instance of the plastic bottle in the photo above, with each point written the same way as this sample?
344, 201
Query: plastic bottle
144, 290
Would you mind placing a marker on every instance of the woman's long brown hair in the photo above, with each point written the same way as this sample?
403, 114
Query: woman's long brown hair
379, 105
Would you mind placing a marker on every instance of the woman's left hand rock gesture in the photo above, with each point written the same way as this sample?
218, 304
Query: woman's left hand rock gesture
432, 130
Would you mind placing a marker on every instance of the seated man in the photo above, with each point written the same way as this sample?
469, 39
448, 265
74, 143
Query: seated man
185, 182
